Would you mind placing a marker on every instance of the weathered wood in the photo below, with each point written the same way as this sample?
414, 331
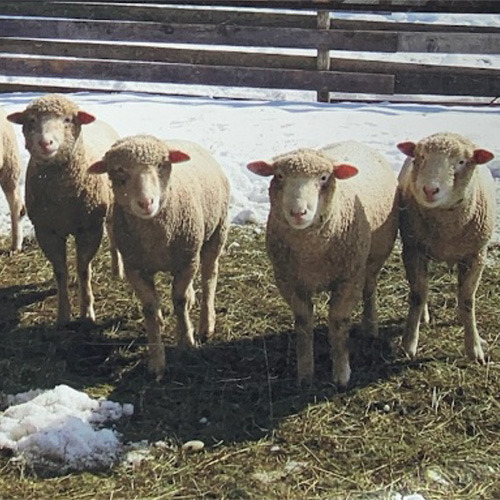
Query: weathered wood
198, 34
323, 57
154, 13
454, 6
195, 74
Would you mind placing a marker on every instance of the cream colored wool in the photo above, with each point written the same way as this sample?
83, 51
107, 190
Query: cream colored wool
10, 173
456, 233
62, 198
342, 251
188, 231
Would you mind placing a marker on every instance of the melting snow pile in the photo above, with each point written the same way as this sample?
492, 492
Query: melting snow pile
62, 429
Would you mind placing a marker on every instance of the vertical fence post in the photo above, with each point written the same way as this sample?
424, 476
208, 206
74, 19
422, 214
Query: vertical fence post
323, 59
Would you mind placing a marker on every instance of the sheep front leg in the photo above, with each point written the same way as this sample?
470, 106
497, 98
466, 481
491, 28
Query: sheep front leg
116, 257
144, 286
469, 274
416, 266
87, 244
342, 302
182, 298
303, 313
370, 317
54, 248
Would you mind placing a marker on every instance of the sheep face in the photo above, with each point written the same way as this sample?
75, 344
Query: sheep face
443, 165
51, 127
303, 185
139, 168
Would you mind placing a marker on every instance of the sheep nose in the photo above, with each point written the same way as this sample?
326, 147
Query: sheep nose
146, 204
298, 214
430, 191
45, 143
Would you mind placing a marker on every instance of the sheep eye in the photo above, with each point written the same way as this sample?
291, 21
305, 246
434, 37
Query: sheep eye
68, 120
280, 176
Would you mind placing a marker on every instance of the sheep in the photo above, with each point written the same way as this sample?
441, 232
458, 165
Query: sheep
62, 199
447, 215
332, 224
10, 172
169, 218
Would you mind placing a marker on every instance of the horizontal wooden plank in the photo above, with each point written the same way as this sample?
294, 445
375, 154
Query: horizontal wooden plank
198, 34
156, 13
453, 6
197, 75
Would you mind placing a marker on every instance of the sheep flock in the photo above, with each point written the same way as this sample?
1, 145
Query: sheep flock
335, 216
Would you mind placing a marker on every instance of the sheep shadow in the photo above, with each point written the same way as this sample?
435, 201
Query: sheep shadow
16, 297
241, 390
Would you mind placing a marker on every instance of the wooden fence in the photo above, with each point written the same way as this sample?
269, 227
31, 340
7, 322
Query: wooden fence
113, 40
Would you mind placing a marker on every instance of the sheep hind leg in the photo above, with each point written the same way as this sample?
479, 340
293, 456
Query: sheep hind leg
17, 211
54, 248
209, 274
416, 266
144, 286
182, 297
469, 274
87, 244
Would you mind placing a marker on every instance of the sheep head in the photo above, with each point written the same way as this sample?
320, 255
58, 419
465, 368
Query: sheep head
443, 165
139, 168
303, 184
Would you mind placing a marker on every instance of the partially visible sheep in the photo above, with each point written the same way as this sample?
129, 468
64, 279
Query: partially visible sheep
447, 215
169, 218
10, 171
332, 224
62, 199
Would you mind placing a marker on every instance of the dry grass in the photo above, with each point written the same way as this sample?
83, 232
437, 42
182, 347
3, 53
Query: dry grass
430, 426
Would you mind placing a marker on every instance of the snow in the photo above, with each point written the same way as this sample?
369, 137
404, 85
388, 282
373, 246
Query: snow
62, 429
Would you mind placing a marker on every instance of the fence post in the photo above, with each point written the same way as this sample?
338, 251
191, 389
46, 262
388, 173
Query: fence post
323, 59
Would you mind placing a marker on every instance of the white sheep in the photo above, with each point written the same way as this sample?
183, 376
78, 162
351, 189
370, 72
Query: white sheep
170, 218
332, 224
10, 172
447, 215
62, 198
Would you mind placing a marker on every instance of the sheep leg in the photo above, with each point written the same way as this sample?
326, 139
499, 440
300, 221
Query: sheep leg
469, 274
209, 274
182, 297
342, 303
144, 286
116, 257
416, 266
87, 244
17, 211
370, 317
54, 248
303, 313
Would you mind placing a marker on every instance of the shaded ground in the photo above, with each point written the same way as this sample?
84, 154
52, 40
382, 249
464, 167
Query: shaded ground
429, 426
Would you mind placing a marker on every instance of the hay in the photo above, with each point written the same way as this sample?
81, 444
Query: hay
430, 426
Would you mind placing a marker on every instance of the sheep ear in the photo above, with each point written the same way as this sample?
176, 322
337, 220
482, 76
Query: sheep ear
17, 117
261, 168
345, 171
98, 167
408, 148
84, 118
176, 156
483, 156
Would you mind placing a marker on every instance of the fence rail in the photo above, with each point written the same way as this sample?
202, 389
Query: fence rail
70, 41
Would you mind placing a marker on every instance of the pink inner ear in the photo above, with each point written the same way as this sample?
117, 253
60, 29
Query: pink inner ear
483, 156
176, 156
261, 168
345, 171
16, 117
408, 148
84, 118
98, 167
